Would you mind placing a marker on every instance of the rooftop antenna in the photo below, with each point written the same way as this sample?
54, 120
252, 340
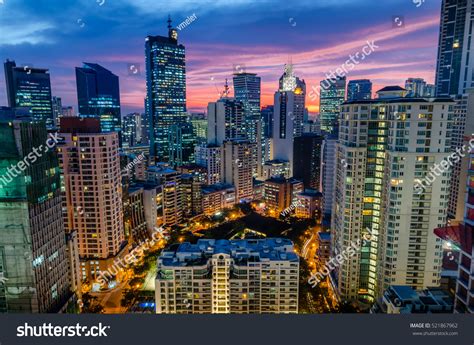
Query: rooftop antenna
169, 21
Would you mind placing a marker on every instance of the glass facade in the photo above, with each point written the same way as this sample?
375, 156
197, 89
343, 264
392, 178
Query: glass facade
166, 89
332, 96
31, 88
359, 90
98, 95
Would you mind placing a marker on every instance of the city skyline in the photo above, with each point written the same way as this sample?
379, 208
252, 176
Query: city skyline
405, 51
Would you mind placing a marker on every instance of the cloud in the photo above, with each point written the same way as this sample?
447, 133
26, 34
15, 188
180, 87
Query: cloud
26, 33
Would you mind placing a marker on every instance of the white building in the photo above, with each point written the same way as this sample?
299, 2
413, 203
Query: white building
387, 148
209, 157
222, 277
237, 167
289, 112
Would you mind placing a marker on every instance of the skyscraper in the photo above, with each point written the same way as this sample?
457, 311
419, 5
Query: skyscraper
464, 299
332, 96
289, 108
170, 180
57, 109
132, 130
416, 87
210, 157
98, 95
384, 190
226, 121
30, 87
247, 91
166, 89
307, 160
90, 166
181, 144
454, 67
32, 237
359, 90
236, 168
463, 128
267, 117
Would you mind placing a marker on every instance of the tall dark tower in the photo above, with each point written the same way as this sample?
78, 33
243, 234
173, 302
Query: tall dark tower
166, 89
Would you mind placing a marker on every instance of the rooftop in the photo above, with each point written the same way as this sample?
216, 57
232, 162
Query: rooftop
242, 251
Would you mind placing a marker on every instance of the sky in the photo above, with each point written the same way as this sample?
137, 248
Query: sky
317, 36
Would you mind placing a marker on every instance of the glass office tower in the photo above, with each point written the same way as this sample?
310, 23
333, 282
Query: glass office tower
166, 89
98, 95
30, 87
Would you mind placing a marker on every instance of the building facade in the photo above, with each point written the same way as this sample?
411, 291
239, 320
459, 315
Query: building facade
388, 148
454, 66
92, 198
33, 251
98, 95
31, 88
166, 89
228, 277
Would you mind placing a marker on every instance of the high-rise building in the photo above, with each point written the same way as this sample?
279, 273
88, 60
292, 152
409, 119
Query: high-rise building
307, 160
172, 198
34, 258
199, 129
332, 96
181, 144
247, 91
31, 88
219, 278
98, 95
57, 109
276, 168
464, 299
166, 89
134, 214
92, 198
132, 130
288, 115
328, 167
388, 148
463, 128
416, 87
454, 67
193, 178
236, 168
359, 89
226, 121
67, 112
308, 204
267, 118
210, 157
